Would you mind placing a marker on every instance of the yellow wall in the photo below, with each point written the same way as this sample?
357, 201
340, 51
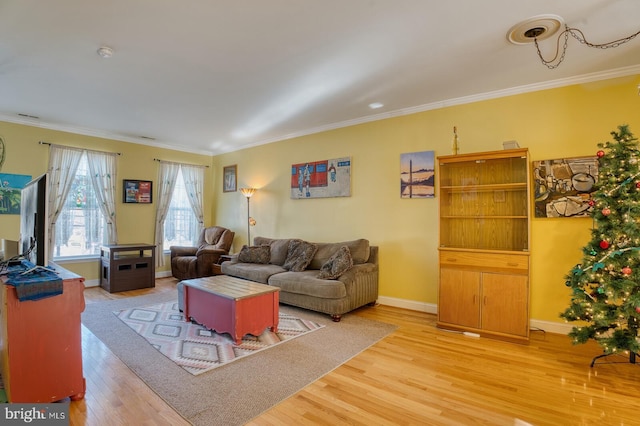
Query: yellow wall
556, 123
135, 222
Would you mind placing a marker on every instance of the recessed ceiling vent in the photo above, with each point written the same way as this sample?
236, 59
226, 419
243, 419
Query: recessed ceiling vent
537, 27
29, 116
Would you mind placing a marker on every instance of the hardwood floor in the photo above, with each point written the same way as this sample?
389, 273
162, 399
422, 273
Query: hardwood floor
418, 375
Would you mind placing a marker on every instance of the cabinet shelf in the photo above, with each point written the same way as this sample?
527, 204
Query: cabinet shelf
488, 187
483, 217
484, 243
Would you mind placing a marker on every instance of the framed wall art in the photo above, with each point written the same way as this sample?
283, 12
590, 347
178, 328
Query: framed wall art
137, 191
321, 179
11, 192
230, 178
417, 174
562, 188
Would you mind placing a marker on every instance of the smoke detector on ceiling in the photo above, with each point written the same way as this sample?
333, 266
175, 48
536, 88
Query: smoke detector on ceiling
105, 52
535, 28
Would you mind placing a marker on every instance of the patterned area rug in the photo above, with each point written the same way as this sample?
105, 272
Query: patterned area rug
198, 349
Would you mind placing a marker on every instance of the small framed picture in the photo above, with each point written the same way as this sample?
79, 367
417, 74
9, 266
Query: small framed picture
229, 178
137, 191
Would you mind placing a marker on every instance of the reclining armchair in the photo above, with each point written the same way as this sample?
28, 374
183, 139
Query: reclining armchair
197, 262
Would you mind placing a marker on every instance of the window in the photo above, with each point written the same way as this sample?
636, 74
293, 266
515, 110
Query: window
181, 224
81, 226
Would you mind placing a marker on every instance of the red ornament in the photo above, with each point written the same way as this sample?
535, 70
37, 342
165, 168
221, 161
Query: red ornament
638, 309
600, 154
637, 184
604, 244
626, 270
606, 211
593, 203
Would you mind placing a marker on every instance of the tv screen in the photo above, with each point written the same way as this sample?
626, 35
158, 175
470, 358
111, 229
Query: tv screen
33, 222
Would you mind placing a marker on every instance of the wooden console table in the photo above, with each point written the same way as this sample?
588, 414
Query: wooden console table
41, 343
127, 267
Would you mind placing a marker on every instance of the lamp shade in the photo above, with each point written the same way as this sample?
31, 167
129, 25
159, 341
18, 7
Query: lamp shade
247, 192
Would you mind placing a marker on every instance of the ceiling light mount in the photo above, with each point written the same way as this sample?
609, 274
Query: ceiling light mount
535, 32
105, 52
541, 27
537, 27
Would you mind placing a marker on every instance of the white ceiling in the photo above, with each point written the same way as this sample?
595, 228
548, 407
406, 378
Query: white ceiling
213, 76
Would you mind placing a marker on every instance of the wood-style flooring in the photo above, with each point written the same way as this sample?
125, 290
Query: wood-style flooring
418, 375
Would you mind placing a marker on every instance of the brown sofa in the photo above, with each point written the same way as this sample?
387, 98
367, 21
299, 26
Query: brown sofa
196, 262
356, 287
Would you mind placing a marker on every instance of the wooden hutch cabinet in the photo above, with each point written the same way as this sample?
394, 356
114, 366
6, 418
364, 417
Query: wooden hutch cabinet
484, 243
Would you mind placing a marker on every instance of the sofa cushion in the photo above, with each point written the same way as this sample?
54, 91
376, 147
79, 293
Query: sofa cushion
337, 264
251, 271
279, 248
307, 283
359, 250
255, 254
299, 255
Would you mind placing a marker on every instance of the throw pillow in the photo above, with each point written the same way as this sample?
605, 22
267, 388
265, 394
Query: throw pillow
299, 255
337, 264
254, 254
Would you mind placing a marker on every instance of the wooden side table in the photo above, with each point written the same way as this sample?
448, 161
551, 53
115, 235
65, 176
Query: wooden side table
217, 267
127, 267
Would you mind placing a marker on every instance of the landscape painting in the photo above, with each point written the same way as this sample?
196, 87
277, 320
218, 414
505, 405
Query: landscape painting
562, 188
10, 192
417, 174
321, 179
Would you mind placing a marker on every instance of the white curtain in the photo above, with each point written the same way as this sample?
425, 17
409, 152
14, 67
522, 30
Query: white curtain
194, 184
167, 181
102, 168
63, 164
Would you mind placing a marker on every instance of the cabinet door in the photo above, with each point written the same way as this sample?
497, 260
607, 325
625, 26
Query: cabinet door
505, 303
459, 294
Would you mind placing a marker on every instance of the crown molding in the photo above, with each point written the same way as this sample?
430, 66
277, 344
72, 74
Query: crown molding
551, 84
85, 131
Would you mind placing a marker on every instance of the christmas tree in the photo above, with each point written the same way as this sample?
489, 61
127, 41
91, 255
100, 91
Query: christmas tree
606, 285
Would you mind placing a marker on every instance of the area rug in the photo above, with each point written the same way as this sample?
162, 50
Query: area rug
238, 391
198, 349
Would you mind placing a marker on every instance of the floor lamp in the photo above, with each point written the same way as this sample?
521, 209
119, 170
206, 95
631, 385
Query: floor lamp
248, 192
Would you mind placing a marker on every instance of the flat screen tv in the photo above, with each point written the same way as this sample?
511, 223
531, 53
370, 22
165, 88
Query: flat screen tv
33, 222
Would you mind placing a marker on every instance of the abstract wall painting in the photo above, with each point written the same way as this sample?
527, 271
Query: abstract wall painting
562, 188
321, 179
417, 174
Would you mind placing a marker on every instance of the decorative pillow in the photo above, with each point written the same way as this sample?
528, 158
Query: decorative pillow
254, 254
299, 255
337, 264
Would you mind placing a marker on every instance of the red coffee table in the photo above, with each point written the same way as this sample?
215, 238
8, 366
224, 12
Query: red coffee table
231, 305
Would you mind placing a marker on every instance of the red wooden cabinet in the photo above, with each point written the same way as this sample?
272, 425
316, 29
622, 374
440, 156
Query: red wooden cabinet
41, 343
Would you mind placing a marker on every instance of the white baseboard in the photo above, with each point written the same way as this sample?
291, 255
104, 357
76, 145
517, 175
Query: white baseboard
550, 326
412, 305
431, 308
91, 283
